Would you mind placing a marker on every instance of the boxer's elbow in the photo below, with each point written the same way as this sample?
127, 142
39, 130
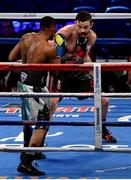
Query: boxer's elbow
13, 56
10, 57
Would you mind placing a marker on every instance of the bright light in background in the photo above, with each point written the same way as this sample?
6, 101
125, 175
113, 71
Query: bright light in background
70, 22
26, 25
16, 25
34, 26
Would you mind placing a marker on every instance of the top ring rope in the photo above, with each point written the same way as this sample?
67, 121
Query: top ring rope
63, 15
65, 67
46, 67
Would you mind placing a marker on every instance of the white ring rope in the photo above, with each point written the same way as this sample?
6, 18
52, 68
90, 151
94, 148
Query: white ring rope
61, 149
22, 94
63, 15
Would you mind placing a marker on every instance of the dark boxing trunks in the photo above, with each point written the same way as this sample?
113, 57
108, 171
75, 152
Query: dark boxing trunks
76, 82
34, 78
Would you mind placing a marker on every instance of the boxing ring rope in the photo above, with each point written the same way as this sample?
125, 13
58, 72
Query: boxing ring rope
67, 123
24, 94
65, 67
97, 68
58, 149
63, 15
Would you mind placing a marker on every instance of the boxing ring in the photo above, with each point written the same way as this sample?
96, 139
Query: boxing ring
79, 141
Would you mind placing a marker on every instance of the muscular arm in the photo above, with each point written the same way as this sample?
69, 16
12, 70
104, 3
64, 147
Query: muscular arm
91, 42
15, 53
70, 34
52, 56
65, 31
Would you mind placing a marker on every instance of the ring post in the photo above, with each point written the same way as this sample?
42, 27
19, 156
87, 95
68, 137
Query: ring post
98, 105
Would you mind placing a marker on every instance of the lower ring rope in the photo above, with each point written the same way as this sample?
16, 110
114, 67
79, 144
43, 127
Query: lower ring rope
61, 149
67, 123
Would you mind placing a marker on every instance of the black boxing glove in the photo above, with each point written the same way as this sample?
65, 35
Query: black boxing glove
82, 42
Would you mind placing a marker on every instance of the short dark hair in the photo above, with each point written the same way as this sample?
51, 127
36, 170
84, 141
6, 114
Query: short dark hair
83, 16
47, 22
